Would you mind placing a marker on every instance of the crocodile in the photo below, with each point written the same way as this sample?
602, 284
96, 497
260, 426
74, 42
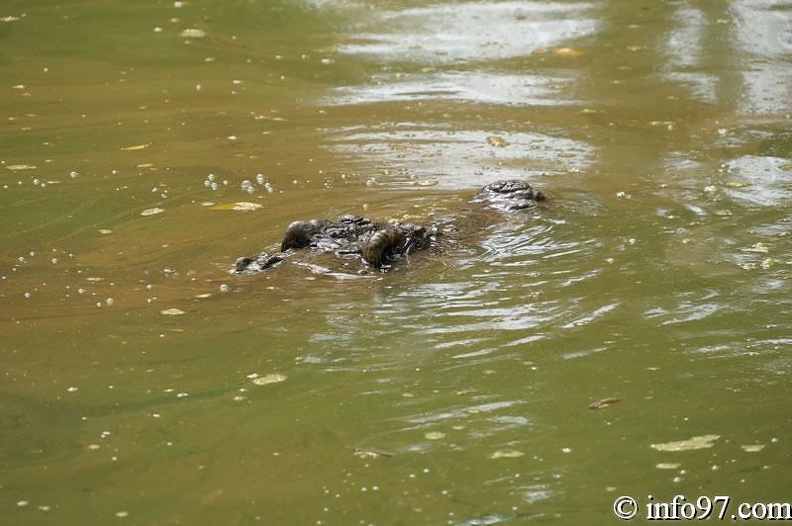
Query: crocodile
379, 244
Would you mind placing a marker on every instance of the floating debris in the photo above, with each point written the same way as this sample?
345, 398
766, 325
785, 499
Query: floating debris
151, 211
697, 442
242, 206
506, 453
136, 147
172, 312
16, 167
371, 453
267, 379
192, 33
605, 402
567, 52
497, 141
753, 448
105, 231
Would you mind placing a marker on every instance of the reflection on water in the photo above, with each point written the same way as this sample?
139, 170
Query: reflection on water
138, 374
470, 31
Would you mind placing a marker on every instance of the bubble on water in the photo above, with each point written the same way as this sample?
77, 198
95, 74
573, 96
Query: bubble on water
109, 302
224, 288
71, 389
122, 514
54, 261
27, 294
260, 179
172, 312
434, 435
22, 503
215, 186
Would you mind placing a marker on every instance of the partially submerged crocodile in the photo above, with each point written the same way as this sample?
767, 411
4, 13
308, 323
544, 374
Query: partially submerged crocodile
380, 243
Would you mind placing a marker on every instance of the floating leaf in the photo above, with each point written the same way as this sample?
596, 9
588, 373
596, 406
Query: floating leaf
272, 378
238, 207
506, 453
151, 211
172, 312
697, 442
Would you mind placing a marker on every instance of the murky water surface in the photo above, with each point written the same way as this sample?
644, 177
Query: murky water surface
144, 384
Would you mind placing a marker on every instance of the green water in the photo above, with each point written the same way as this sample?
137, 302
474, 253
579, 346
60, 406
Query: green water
454, 389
